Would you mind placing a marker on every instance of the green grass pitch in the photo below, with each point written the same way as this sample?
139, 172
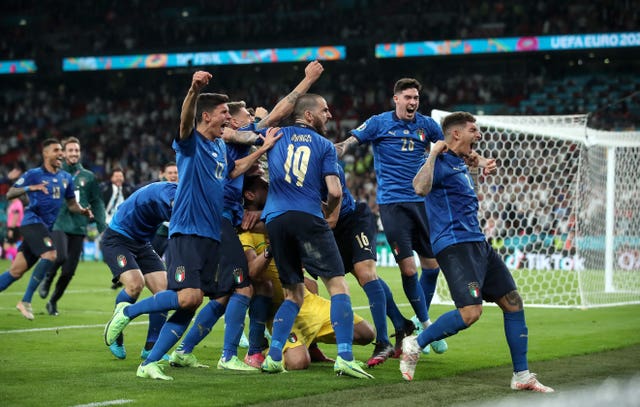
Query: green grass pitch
62, 361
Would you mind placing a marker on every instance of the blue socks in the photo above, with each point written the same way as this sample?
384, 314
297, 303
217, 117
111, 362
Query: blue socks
515, 329
282, 324
415, 295
342, 322
156, 321
234, 321
170, 334
258, 314
205, 320
6, 279
448, 324
42, 268
378, 307
162, 301
124, 297
393, 312
428, 281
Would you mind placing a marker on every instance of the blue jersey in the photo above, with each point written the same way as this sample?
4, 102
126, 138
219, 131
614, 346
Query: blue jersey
43, 208
140, 215
348, 204
202, 164
399, 149
452, 204
233, 202
298, 164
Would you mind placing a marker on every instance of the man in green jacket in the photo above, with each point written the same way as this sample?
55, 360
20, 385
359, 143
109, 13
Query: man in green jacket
70, 229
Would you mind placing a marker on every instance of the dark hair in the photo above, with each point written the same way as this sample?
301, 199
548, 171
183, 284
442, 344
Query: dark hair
235, 107
305, 102
251, 181
116, 169
169, 164
50, 141
406, 83
456, 119
70, 140
207, 102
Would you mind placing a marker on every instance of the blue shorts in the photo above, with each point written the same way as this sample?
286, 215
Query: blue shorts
233, 261
407, 229
193, 263
36, 239
298, 240
355, 236
475, 272
123, 254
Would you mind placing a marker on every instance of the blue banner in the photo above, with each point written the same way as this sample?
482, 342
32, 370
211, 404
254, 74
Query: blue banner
508, 44
259, 56
17, 66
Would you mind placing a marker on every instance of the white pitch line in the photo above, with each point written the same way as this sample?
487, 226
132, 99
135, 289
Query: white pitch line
59, 328
106, 403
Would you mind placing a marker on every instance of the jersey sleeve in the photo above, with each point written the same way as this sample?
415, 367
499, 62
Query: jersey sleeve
435, 131
186, 146
438, 167
27, 179
330, 162
367, 131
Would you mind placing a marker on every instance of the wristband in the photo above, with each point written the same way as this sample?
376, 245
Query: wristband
267, 252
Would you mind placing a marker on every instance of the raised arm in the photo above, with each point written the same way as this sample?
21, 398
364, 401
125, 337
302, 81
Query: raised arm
188, 113
343, 147
244, 164
285, 106
423, 181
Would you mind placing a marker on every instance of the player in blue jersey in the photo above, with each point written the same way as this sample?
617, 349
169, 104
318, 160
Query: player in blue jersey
355, 233
473, 270
300, 166
400, 140
194, 230
46, 189
238, 135
127, 250
159, 241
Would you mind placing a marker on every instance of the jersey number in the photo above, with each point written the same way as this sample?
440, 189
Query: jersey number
363, 240
56, 192
407, 144
219, 170
296, 164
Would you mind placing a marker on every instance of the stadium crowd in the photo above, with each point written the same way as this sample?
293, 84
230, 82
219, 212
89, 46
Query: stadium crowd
127, 119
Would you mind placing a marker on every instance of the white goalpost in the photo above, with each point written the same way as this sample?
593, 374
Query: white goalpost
563, 209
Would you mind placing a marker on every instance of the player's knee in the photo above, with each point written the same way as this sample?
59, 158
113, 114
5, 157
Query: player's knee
297, 360
50, 255
470, 314
363, 333
511, 302
134, 288
365, 272
246, 291
190, 298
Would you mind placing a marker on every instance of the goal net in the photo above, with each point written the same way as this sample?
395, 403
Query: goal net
563, 209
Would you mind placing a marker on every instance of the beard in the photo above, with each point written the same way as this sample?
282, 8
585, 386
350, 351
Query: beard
319, 126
